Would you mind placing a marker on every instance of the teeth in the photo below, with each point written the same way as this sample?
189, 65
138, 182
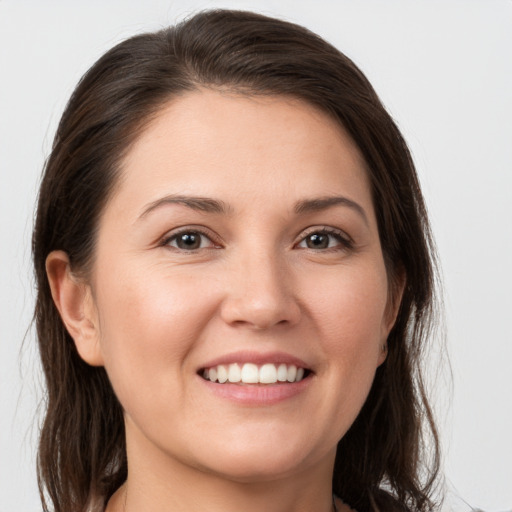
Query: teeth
282, 373
292, 373
268, 374
250, 373
234, 374
222, 373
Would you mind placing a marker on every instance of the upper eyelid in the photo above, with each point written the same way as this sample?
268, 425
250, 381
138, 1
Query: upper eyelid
330, 230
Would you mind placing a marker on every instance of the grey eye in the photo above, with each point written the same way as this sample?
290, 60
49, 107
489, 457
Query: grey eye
323, 240
189, 240
317, 241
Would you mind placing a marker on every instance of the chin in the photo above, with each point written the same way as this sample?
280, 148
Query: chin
259, 463
247, 471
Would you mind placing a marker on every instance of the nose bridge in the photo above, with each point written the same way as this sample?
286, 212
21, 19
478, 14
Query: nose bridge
260, 292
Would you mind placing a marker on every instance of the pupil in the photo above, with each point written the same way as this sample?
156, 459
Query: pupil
318, 241
189, 241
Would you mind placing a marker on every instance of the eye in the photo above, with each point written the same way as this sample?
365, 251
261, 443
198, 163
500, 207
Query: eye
325, 239
189, 240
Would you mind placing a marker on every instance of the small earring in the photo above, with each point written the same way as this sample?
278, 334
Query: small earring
385, 347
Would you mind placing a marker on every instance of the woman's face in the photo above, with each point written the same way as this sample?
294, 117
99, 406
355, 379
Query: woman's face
240, 243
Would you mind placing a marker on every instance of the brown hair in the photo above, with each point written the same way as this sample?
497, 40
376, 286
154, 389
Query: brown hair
382, 461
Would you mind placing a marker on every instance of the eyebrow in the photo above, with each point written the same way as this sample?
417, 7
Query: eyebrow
209, 205
323, 203
203, 204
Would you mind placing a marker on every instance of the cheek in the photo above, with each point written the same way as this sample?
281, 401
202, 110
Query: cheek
349, 309
148, 323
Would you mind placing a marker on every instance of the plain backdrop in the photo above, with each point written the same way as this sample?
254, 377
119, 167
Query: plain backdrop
442, 68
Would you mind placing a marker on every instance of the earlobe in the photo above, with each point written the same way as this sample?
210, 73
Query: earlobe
383, 353
392, 309
74, 301
396, 294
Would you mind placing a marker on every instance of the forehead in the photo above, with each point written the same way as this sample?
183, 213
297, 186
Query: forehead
239, 147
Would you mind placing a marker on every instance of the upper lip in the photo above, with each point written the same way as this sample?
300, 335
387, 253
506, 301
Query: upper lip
258, 358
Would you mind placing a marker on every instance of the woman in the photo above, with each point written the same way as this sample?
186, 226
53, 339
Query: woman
235, 282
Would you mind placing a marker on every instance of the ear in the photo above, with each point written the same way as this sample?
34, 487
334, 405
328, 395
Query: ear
395, 294
74, 301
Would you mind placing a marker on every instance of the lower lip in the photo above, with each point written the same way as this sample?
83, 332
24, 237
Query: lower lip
258, 394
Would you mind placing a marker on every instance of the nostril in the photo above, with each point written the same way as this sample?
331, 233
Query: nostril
259, 315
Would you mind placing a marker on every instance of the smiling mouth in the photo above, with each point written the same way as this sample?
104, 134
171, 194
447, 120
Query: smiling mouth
249, 373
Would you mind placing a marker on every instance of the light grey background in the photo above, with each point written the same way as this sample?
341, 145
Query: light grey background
444, 70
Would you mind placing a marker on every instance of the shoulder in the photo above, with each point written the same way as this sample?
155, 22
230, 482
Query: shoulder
384, 502
341, 506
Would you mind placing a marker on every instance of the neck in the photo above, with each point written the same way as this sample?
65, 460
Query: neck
127, 499
160, 483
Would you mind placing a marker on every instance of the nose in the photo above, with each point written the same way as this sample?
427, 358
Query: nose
259, 294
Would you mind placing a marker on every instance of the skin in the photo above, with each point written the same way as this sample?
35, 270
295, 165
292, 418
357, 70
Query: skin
153, 313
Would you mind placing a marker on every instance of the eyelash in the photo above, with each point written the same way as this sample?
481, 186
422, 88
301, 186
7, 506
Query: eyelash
344, 241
